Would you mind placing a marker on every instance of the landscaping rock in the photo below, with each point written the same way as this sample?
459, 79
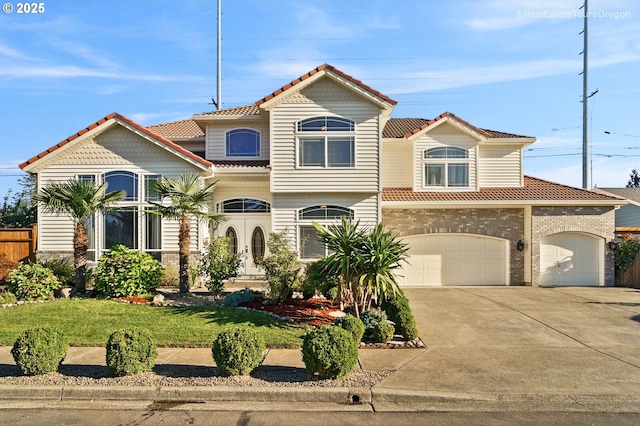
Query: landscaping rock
158, 300
66, 292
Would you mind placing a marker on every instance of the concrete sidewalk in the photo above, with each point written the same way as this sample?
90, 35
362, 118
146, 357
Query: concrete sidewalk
489, 349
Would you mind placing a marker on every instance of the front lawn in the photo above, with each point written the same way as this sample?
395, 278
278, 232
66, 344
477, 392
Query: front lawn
89, 322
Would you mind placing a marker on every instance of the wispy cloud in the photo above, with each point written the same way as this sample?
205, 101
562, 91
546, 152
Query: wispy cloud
12, 53
71, 71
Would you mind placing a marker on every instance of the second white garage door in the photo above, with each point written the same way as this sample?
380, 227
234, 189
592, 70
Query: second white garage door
571, 259
456, 259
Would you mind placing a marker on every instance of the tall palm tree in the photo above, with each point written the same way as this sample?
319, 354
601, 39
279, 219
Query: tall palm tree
187, 198
79, 200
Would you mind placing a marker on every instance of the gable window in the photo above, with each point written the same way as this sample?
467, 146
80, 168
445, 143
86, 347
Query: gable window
311, 246
326, 142
446, 167
243, 143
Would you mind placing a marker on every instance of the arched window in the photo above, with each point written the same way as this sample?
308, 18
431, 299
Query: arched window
123, 180
325, 212
233, 239
257, 244
244, 205
243, 143
317, 149
446, 167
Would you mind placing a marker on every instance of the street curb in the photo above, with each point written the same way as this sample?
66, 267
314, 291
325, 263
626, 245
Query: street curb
341, 395
407, 400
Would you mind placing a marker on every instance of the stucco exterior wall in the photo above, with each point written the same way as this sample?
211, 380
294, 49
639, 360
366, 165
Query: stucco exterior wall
500, 222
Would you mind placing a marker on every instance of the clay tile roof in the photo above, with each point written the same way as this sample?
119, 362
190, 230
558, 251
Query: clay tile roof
135, 125
240, 163
534, 189
407, 127
332, 69
241, 110
178, 129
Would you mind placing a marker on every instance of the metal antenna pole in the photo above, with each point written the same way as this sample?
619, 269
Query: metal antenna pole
219, 86
586, 178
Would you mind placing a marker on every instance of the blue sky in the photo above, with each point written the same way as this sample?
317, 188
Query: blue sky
503, 65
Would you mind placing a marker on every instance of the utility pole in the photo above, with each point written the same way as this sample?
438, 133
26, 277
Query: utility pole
218, 102
585, 88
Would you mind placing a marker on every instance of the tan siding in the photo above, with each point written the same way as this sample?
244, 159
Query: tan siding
500, 166
287, 178
429, 141
216, 139
397, 164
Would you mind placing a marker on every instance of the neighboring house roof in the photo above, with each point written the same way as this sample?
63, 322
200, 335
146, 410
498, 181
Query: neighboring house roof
329, 68
180, 129
240, 110
122, 120
632, 194
407, 127
534, 189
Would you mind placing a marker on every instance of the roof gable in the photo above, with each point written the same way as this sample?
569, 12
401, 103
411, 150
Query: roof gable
326, 71
104, 124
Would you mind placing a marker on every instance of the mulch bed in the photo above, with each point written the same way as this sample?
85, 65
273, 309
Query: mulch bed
303, 311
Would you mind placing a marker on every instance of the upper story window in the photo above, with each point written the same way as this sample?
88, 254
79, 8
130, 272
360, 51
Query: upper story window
244, 205
326, 142
446, 167
123, 180
243, 143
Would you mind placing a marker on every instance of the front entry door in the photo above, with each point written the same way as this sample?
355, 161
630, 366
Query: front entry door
248, 236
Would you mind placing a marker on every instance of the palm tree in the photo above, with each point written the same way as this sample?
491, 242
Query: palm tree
80, 200
187, 198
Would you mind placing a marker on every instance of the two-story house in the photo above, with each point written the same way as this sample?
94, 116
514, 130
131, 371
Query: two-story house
325, 146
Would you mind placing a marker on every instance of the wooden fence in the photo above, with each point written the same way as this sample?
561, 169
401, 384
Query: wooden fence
16, 245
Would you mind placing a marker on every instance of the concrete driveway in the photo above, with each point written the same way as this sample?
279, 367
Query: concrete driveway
541, 345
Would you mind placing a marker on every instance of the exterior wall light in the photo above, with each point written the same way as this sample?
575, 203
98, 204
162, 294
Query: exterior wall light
520, 245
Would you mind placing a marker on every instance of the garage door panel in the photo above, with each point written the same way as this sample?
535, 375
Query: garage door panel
570, 259
456, 259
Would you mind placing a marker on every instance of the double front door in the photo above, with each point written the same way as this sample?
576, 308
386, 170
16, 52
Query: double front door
248, 235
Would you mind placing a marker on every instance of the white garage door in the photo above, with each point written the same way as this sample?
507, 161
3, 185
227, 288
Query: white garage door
571, 259
456, 259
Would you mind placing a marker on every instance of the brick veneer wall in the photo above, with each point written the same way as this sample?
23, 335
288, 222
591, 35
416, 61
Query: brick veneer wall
501, 223
546, 221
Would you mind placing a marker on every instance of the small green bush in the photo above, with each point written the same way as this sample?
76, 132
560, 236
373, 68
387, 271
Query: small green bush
372, 317
315, 279
62, 269
238, 351
130, 351
399, 312
234, 299
331, 293
219, 264
282, 269
7, 298
125, 272
383, 332
39, 350
32, 282
330, 352
353, 325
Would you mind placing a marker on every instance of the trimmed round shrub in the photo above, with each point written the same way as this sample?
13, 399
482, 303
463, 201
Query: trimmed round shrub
400, 313
32, 282
330, 352
130, 351
372, 317
383, 332
234, 299
123, 272
353, 325
238, 351
39, 350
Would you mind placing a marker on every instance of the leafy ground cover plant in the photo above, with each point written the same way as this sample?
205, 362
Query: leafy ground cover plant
234, 299
130, 351
238, 351
329, 352
62, 269
125, 272
32, 282
219, 264
39, 350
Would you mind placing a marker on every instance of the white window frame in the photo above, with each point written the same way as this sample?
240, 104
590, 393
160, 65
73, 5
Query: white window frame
325, 135
307, 222
445, 162
240, 157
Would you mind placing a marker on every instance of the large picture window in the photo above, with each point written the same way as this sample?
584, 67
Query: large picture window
311, 246
243, 143
446, 167
326, 142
